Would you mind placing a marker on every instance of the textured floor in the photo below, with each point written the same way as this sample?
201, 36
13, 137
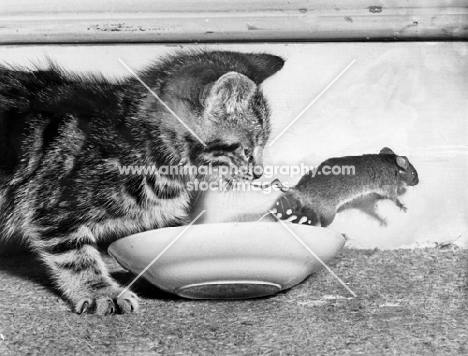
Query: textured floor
410, 302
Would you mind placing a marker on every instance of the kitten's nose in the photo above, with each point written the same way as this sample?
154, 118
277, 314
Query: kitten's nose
255, 167
257, 173
256, 163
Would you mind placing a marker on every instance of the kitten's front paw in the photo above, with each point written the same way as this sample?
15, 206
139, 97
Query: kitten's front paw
108, 302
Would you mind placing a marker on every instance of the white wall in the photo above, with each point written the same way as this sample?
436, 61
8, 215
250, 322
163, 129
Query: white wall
412, 97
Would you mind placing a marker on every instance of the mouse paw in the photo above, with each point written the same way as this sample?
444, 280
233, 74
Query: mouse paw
383, 222
401, 206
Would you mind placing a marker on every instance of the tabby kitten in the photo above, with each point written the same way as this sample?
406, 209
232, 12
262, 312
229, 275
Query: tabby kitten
63, 138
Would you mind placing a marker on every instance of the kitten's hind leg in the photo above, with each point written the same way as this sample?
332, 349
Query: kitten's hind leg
81, 274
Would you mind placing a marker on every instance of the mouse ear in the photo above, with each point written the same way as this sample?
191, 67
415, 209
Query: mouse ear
402, 162
386, 151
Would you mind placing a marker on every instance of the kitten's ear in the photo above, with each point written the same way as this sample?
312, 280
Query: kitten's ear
230, 92
386, 151
402, 162
263, 66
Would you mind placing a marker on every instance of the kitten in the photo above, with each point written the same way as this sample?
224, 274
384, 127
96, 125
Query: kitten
64, 137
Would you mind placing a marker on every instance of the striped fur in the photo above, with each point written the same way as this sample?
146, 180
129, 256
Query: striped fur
63, 137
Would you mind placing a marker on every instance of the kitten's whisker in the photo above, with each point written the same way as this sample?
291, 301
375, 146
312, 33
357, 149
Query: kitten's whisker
227, 203
265, 214
223, 208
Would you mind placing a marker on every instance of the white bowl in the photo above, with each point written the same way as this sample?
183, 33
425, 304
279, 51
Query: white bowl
227, 260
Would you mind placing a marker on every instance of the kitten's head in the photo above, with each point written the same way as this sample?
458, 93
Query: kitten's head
226, 116
237, 123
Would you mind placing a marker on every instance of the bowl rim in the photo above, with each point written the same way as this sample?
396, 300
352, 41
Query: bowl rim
232, 225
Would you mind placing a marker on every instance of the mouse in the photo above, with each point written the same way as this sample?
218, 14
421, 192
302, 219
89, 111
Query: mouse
338, 183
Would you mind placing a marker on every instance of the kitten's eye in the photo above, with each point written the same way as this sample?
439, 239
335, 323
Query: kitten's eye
219, 146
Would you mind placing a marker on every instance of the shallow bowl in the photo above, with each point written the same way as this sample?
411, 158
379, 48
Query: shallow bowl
227, 260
